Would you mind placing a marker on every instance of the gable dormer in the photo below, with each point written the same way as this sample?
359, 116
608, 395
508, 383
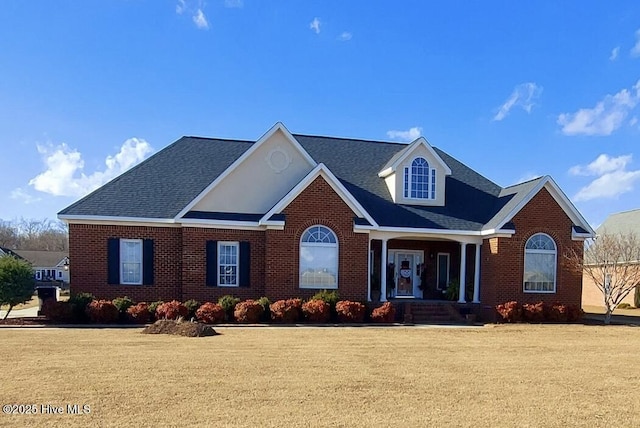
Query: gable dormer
416, 175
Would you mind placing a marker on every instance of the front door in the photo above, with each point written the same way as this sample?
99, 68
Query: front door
407, 275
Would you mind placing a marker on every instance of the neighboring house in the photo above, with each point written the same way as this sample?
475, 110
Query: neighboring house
8, 252
287, 215
622, 222
48, 266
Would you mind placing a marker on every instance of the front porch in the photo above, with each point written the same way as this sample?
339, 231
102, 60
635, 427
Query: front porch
427, 269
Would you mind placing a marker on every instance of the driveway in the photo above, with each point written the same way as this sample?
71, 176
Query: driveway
30, 312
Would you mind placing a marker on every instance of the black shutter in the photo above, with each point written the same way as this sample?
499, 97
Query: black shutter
245, 265
147, 262
113, 261
212, 263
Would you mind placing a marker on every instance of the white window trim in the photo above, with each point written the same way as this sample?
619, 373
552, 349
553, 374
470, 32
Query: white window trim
122, 281
319, 244
407, 179
237, 264
555, 260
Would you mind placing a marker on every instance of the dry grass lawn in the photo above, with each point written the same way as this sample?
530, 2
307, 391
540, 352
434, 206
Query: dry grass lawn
508, 376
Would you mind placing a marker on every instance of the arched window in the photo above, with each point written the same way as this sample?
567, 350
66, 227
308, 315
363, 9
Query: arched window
318, 258
420, 180
540, 262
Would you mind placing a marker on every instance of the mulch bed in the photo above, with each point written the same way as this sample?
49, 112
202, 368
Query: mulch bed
184, 328
25, 321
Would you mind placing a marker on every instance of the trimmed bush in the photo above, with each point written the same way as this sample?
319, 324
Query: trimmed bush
79, 303
330, 297
574, 313
228, 303
123, 303
286, 311
248, 311
210, 313
317, 311
510, 311
534, 312
384, 314
153, 308
171, 310
558, 313
59, 312
139, 313
349, 311
192, 306
624, 306
102, 312
266, 312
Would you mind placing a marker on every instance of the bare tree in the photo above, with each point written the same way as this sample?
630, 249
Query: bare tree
33, 234
612, 262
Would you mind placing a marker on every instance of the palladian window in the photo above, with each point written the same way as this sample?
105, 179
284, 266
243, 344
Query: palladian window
419, 180
318, 258
540, 263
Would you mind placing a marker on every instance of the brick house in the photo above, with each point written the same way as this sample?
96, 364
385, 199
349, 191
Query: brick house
287, 215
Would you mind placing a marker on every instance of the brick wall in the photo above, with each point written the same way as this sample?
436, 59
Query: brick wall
194, 263
503, 258
317, 204
88, 259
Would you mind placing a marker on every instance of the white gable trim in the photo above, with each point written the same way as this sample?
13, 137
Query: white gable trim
277, 127
558, 195
319, 171
408, 151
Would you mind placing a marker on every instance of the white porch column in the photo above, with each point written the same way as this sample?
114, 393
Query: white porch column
463, 272
383, 272
476, 276
369, 270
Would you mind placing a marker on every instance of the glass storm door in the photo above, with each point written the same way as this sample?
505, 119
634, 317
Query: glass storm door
405, 278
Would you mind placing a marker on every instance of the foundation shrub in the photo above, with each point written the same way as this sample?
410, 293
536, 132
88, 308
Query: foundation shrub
79, 303
558, 313
139, 313
286, 311
316, 311
574, 313
534, 312
266, 312
153, 307
171, 310
510, 311
228, 303
123, 303
58, 312
210, 313
624, 305
384, 314
349, 311
192, 306
102, 312
248, 311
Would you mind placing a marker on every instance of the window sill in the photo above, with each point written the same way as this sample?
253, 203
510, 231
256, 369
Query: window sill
318, 287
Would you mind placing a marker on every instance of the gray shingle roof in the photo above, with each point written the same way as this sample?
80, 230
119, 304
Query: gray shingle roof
622, 222
161, 186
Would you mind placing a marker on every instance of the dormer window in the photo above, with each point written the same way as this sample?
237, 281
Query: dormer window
419, 180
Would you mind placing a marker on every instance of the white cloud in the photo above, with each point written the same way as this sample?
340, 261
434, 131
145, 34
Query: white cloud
607, 115
633, 121
200, 20
635, 50
315, 25
233, 3
612, 180
64, 175
408, 135
22, 195
523, 96
345, 36
614, 53
181, 7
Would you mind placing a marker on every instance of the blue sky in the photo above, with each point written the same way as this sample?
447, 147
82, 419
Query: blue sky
513, 90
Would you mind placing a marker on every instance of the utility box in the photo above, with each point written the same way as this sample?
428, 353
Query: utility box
47, 292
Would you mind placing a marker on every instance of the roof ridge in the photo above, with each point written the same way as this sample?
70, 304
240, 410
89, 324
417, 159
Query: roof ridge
231, 140
397, 143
